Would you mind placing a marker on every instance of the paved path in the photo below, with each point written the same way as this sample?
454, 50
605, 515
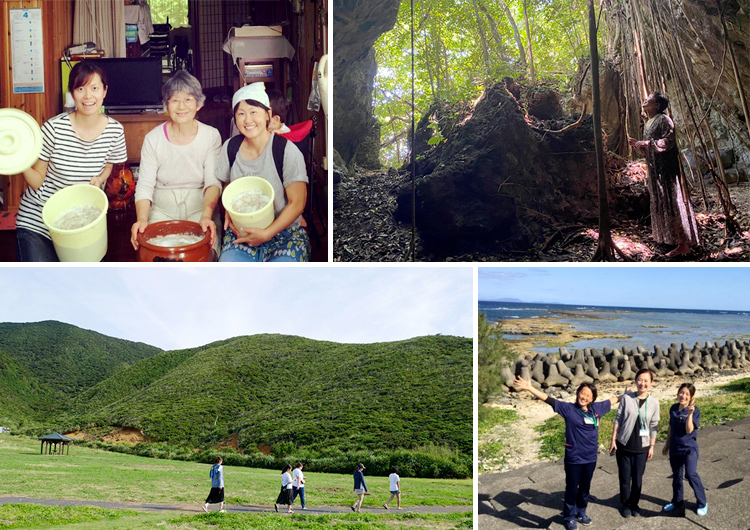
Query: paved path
230, 508
532, 496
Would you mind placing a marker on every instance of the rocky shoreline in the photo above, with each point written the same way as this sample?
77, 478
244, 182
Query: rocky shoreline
546, 332
612, 370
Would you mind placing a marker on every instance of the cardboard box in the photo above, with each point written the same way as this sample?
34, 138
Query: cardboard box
255, 31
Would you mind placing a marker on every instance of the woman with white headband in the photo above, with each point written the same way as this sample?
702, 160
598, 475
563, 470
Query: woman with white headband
284, 239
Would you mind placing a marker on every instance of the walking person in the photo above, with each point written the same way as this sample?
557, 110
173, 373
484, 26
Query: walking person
285, 495
298, 484
682, 446
633, 439
395, 487
581, 445
216, 495
360, 487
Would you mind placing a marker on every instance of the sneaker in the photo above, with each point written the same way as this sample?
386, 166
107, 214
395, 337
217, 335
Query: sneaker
584, 519
222, 511
571, 524
625, 511
352, 507
635, 512
702, 510
385, 506
205, 508
672, 506
276, 507
304, 508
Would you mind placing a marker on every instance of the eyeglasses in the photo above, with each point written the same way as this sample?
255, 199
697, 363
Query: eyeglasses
188, 102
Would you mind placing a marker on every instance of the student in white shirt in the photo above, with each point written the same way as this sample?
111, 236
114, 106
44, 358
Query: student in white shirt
285, 495
395, 488
298, 484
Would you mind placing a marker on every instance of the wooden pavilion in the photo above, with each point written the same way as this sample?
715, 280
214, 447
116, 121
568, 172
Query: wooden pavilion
51, 442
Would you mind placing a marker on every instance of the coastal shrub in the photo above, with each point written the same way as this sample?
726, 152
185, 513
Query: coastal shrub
493, 355
283, 449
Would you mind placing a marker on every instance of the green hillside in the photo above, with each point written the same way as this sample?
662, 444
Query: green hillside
45, 364
273, 389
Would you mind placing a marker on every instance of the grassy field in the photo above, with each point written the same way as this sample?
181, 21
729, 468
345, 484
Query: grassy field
90, 474
732, 404
85, 518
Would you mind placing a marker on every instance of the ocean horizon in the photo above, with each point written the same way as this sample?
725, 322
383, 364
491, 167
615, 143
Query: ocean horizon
647, 326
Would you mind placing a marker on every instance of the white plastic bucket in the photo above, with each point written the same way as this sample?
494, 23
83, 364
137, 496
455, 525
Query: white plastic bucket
88, 243
259, 219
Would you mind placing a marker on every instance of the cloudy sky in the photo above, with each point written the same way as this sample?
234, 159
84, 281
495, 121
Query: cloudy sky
705, 287
179, 307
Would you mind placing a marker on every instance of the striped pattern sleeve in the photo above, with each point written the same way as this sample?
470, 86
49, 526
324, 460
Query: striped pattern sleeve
70, 161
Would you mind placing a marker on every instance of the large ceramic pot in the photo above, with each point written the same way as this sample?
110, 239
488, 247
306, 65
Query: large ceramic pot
200, 251
120, 187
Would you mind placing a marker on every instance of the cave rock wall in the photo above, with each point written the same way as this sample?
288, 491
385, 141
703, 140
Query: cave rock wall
357, 24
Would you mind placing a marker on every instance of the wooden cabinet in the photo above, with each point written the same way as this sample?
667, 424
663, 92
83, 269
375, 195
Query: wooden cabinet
136, 126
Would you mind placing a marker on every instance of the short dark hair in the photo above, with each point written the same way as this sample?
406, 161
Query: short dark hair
644, 371
394, 470
278, 102
82, 74
298, 464
218, 460
689, 386
590, 387
286, 468
662, 100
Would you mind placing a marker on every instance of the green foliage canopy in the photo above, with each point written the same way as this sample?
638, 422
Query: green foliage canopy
449, 55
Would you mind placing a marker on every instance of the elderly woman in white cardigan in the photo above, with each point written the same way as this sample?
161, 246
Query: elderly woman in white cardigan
178, 163
633, 437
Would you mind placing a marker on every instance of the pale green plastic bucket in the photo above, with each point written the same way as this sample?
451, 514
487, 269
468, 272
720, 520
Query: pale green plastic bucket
88, 243
260, 219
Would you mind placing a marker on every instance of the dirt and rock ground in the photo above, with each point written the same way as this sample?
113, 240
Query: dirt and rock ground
365, 229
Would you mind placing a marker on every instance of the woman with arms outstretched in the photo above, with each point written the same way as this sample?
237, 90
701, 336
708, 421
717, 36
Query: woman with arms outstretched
581, 444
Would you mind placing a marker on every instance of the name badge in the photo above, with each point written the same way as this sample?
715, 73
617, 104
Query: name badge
588, 421
643, 432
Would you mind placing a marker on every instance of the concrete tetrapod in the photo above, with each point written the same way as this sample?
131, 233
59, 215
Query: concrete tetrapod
580, 377
627, 373
554, 378
563, 370
507, 376
525, 374
591, 370
537, 373
605, 374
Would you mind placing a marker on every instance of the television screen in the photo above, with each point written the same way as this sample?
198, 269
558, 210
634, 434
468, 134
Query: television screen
133, 84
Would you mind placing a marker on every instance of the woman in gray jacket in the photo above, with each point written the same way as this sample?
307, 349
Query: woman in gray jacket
633, 437
216, 495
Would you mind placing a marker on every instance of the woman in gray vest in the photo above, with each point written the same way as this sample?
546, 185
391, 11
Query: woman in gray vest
633, 437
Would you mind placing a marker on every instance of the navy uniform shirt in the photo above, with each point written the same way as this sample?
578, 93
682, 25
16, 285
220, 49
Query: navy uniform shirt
581, 435
680, 442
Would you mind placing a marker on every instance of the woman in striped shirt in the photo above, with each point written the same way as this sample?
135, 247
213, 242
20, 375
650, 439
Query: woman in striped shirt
78, 148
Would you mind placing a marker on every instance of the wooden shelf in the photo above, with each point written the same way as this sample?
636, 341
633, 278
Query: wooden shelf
136, 126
